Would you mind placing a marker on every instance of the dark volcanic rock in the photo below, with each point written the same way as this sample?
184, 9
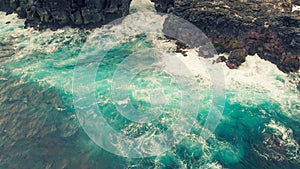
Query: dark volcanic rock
237, 57
164, 5
290, 62
221, 59
265, 27
54, 14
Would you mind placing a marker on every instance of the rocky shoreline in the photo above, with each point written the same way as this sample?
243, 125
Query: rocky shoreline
245, 27
237, 27
54, 14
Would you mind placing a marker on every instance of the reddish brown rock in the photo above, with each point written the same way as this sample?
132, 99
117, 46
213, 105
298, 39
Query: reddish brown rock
263, 27
231, 65
237, 57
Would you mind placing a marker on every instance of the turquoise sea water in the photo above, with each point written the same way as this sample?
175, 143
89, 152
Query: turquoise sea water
39, 127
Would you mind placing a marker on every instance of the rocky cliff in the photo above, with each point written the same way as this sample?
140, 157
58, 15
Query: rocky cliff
242, 27
54, 14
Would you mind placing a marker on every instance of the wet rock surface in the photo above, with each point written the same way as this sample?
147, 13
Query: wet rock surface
54, 14
265, 27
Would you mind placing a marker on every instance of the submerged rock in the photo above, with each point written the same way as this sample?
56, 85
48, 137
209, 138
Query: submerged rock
54, 14
265, 27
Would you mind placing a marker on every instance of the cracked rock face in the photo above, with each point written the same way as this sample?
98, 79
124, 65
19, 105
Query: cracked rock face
241, 27
54, 14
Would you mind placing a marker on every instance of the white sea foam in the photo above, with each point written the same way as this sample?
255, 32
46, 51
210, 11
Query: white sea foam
278, 138
213, 165
29, 40
141, 6
255, 82
12, 18
295, 8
